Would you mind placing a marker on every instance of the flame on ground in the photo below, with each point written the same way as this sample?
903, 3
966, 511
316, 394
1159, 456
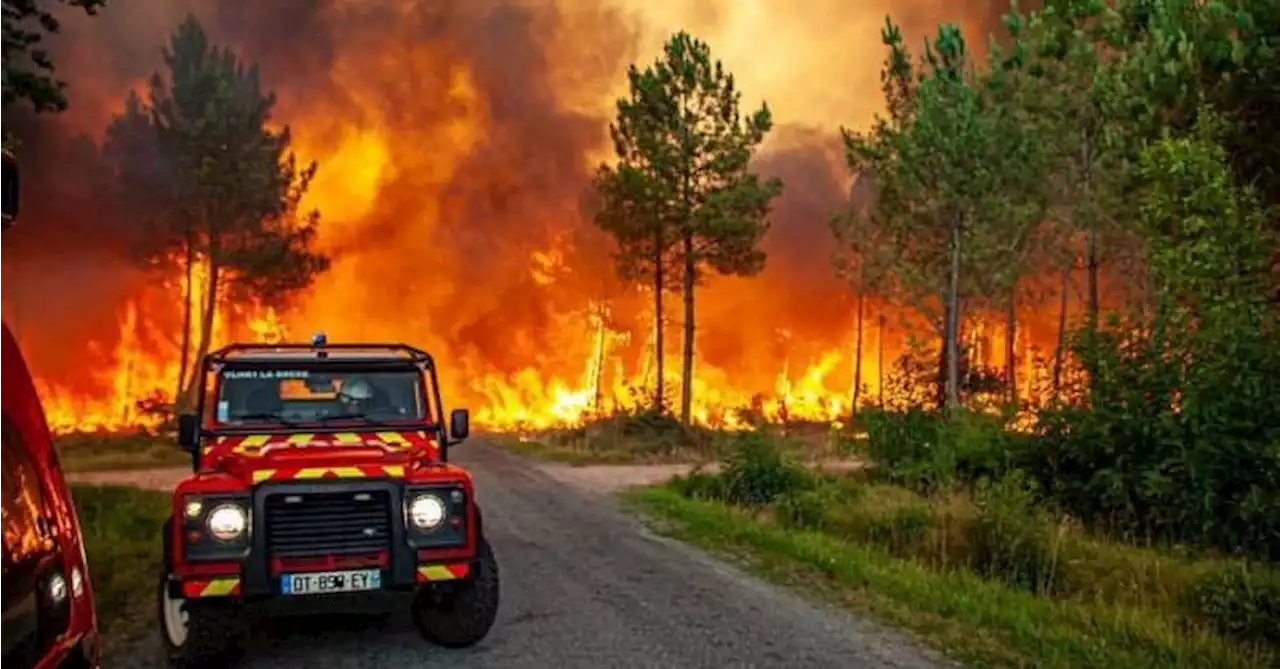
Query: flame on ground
454, 148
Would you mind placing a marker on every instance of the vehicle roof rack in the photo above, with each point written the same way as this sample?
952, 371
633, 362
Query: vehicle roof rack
333, 352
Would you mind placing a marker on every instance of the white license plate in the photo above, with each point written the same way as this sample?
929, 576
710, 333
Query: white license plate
321, 582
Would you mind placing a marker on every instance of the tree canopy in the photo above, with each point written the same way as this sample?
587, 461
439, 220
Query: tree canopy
682, 200
29, 73
200, 166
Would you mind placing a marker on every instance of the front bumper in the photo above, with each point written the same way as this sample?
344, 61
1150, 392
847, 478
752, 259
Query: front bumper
402, 565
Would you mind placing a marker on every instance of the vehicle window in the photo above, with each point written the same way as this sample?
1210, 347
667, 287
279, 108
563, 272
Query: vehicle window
24, 500
248, 396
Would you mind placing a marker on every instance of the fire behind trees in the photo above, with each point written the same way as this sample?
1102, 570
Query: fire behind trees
455, 145
1098, 132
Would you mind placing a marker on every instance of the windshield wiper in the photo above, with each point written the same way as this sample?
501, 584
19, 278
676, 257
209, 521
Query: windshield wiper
349, 416
275, 418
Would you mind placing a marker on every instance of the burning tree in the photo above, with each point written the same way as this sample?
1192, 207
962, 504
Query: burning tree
682, 200
215, 188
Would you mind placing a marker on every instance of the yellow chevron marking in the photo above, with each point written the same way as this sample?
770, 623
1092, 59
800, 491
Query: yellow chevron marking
321, 472
392, 438
301, 438
347, 438
394, 471
435, 572
260, 475
220, 587
255, 440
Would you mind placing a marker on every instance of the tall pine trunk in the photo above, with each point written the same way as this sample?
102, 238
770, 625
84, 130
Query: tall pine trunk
951, 331
686, 397
1059, 351
1010, 346
857, 353
1091, 235
207, 315
184, 361
880, 356
659, 351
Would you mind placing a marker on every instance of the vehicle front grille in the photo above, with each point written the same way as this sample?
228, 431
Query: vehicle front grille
327, 523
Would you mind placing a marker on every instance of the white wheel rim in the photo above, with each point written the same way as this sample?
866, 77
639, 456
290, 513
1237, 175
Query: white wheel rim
175, 618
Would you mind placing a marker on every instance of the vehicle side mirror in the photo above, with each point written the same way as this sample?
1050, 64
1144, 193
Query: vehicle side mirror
10, 188
459, 424
188, 431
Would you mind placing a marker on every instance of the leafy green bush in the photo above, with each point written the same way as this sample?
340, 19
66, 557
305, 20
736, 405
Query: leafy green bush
756, 472
903, 445
1013, 539
806, 509
928, 451
1240, 601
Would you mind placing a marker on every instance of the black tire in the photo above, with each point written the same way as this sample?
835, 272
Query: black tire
215, 630
463, 616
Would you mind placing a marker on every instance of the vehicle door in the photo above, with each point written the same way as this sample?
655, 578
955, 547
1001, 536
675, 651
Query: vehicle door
26, 540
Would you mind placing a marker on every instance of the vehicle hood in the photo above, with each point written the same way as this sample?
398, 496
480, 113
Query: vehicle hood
256, 458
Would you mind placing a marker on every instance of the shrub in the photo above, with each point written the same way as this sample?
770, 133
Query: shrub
756, 472
1013, 539
928, 451
902, 444
806, 509
1239, 600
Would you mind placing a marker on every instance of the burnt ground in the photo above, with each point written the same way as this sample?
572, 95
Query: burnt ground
584, 585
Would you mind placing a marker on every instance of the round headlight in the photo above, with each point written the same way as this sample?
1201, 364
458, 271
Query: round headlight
227, 522
426, 512
57, 588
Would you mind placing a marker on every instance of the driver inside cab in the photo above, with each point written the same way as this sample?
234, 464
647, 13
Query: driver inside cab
359, 397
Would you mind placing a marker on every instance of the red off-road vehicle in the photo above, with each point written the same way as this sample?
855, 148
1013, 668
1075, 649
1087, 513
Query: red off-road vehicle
49, 620
321, 470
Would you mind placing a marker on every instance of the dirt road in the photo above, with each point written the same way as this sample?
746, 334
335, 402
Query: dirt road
585, 586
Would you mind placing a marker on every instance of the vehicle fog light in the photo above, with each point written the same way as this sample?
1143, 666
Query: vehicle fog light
57, 588
193, 508
227, 522
456, 496
426, 512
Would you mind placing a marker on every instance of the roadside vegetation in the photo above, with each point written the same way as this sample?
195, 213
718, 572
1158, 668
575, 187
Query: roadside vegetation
646, 437
122, 542
107, 451
986, 570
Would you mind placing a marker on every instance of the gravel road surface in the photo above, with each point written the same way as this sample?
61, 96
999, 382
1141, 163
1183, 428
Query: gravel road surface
585, 586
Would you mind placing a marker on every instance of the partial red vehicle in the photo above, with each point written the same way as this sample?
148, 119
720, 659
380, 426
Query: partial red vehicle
49, 620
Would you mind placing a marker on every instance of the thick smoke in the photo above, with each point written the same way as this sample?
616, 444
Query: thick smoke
456, 140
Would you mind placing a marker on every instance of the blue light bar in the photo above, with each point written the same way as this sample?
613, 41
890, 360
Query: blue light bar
318, 339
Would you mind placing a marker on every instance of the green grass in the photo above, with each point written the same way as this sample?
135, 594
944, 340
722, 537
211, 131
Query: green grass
976, 620
580, 452
95, 452
122, 528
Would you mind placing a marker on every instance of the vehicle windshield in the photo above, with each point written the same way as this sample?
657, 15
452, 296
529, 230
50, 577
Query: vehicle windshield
278, 395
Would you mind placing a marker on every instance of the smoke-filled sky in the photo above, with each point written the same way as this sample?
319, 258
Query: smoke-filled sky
456, 139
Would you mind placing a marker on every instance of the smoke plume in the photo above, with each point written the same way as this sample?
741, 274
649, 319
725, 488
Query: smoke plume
456, 140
